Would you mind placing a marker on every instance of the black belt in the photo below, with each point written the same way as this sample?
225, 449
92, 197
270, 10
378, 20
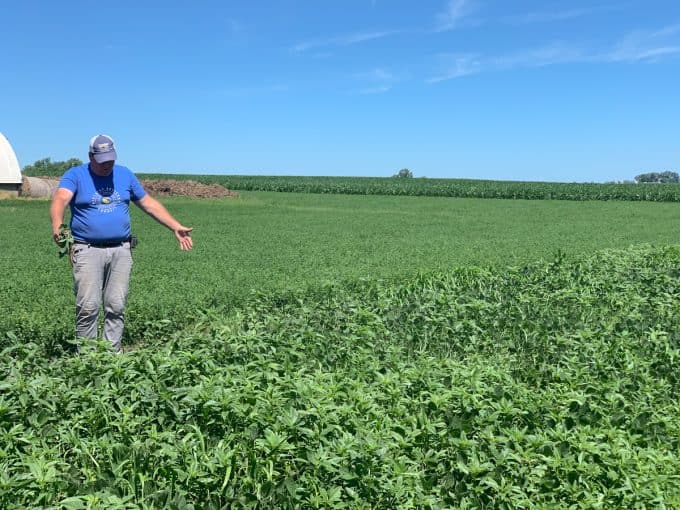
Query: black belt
98, 244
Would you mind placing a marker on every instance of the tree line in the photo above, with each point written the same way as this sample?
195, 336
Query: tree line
665, 177
48, 168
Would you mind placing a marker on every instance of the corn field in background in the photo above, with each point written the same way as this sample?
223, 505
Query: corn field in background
462, 188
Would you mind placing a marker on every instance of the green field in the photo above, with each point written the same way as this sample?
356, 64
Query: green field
265, 241
353, 351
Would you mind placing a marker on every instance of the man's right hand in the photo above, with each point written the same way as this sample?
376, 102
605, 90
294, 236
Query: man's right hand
183, 235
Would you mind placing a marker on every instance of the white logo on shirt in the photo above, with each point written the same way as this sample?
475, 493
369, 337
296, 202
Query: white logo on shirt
106, 199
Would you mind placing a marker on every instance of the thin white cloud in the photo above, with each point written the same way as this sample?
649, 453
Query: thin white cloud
550, 16
667, 31
642, 45
466, 65
379, 81
379, 74
459, 65
557, 53
455, 11
641, 54
376, 90
637, 46
345, 40
246, 91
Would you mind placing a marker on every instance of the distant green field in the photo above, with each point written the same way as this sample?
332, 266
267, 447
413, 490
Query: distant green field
267, 241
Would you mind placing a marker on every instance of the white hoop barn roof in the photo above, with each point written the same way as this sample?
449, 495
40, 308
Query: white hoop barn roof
10, 173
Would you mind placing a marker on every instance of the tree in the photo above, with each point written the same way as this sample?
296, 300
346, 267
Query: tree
404, 173
48, 168
658, 177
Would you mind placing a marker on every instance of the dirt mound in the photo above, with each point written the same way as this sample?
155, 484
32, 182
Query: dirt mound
46, 186
170, 187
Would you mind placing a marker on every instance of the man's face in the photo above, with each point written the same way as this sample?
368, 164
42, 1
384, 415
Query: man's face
101, 168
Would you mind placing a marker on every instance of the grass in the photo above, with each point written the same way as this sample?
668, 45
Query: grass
276, 239
271, 241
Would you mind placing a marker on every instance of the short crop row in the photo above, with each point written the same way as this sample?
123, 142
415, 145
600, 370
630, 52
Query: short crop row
552, 385
467, 188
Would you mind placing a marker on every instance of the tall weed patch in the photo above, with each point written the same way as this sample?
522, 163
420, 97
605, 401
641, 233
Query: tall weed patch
551, 385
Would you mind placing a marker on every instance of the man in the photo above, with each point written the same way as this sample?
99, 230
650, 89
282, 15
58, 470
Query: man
98, 194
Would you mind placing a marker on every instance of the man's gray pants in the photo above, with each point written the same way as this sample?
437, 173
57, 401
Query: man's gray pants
101, 275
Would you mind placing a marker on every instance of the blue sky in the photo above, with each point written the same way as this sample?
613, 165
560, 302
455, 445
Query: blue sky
489, 89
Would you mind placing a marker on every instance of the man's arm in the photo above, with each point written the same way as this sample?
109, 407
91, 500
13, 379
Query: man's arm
60, 200
157, 211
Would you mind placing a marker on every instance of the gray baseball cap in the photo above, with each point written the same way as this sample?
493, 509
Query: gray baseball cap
103, 148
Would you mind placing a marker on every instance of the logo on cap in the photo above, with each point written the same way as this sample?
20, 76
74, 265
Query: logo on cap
103, 148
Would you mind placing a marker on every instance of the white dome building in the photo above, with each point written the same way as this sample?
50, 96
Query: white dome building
10, 172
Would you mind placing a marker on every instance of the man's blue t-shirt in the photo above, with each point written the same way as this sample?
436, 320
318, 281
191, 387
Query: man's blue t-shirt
100, 206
